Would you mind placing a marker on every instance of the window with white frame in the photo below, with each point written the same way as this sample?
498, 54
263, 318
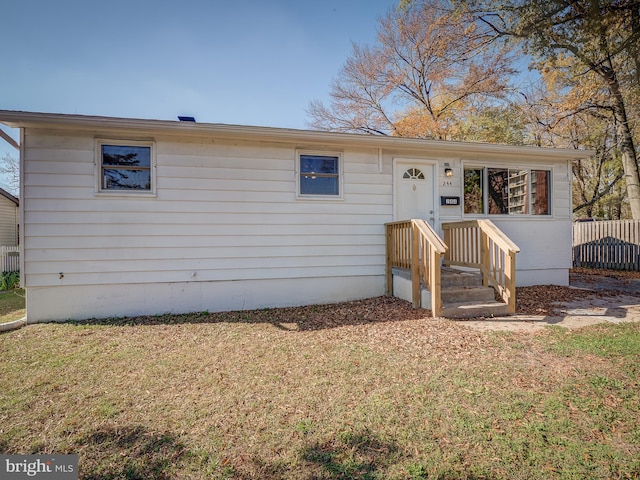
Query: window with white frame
125, 166
319, 174
507, 191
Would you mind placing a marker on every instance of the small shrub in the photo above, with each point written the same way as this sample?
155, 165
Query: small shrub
9, 280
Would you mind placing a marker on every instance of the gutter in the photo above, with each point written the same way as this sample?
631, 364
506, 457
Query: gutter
272, 134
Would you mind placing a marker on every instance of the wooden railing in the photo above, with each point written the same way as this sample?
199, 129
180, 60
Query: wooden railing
480, 244
414, 245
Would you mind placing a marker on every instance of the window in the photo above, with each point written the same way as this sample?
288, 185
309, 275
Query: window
507, 191
319, 175
125, 167
414, 173
473, 199
540, 199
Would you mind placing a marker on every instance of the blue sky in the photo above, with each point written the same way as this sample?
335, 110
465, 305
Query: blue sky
247, 62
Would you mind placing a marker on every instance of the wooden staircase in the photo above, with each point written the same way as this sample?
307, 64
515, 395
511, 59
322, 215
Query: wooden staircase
464, 296
479, 267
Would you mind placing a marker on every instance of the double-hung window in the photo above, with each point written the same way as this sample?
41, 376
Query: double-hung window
125, 166
507, 191
319, 174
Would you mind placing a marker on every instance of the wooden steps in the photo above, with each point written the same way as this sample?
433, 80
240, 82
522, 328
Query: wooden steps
413, 245
463, 296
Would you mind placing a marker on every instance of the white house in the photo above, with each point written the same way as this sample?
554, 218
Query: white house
9, 218
126, 216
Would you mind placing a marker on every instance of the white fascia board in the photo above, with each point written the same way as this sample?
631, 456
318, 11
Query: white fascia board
191, 129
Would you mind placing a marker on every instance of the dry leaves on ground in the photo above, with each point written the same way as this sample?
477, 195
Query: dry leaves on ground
617, 274
547, 299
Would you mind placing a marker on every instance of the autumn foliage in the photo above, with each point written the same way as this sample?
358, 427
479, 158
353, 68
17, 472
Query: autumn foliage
551, 73
432, 66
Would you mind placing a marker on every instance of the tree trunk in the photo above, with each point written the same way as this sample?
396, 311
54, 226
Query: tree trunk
626, 145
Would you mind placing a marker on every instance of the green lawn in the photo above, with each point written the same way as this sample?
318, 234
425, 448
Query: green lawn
362, 390
12, 305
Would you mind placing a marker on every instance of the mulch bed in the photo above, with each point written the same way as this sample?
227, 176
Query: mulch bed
545, 299
617, 274
593, 283
535, 300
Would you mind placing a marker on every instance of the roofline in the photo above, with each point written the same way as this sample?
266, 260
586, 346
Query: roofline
16, 119
7, 138
6, 194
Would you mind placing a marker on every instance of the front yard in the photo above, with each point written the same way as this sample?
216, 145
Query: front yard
366, 389
12, 305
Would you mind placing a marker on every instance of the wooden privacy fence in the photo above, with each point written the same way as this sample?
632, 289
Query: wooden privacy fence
10, 259
611, 244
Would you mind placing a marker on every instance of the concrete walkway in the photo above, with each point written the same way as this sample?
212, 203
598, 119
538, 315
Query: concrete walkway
592, 310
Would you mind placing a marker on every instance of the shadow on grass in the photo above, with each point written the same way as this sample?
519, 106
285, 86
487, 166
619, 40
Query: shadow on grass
352, 455
305, 318
130, 453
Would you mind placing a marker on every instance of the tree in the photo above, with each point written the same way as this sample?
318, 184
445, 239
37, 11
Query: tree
562, 112
598, 186
10, 171
431, 68
495, 124
592, 40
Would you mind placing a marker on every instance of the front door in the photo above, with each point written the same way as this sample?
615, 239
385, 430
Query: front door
414, 191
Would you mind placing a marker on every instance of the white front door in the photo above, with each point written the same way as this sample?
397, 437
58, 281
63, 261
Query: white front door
414, 191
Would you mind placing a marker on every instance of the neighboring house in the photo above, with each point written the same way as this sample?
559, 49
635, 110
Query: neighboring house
9, 219
126, 216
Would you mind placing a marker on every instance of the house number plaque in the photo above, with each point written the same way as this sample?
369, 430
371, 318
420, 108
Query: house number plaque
449, 201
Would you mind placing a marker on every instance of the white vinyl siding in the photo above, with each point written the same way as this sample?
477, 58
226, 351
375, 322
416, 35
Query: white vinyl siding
227, 229
222, 211
8, 222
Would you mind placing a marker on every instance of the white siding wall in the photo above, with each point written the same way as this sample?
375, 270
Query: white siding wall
544, 241
224, 212
8, 222
226, 231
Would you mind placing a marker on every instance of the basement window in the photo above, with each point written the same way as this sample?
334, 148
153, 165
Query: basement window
125, 167
319, 175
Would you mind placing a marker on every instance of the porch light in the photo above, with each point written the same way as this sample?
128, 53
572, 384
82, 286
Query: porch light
448, 172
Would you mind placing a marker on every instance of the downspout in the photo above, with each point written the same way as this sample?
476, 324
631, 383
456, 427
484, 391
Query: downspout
570, 180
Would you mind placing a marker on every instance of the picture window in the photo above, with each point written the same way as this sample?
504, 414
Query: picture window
504, 191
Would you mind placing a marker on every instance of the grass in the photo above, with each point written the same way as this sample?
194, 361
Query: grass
365, 390
12, 305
